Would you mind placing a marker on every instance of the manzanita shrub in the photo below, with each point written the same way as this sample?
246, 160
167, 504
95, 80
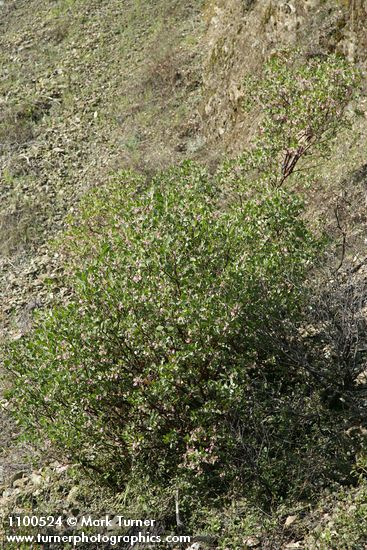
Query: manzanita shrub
173, 361
169, 326
304, 106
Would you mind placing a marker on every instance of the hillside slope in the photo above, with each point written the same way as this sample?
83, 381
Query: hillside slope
86, 88
89, 87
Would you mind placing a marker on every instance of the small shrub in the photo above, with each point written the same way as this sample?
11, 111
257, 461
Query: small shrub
17, 122
16, 128
304, 107
167, 339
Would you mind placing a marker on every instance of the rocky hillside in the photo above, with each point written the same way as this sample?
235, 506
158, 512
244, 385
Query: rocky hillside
89, 87
86, 88
240, 36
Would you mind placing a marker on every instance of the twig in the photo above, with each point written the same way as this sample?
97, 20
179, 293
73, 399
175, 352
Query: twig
179, 522
344, 236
